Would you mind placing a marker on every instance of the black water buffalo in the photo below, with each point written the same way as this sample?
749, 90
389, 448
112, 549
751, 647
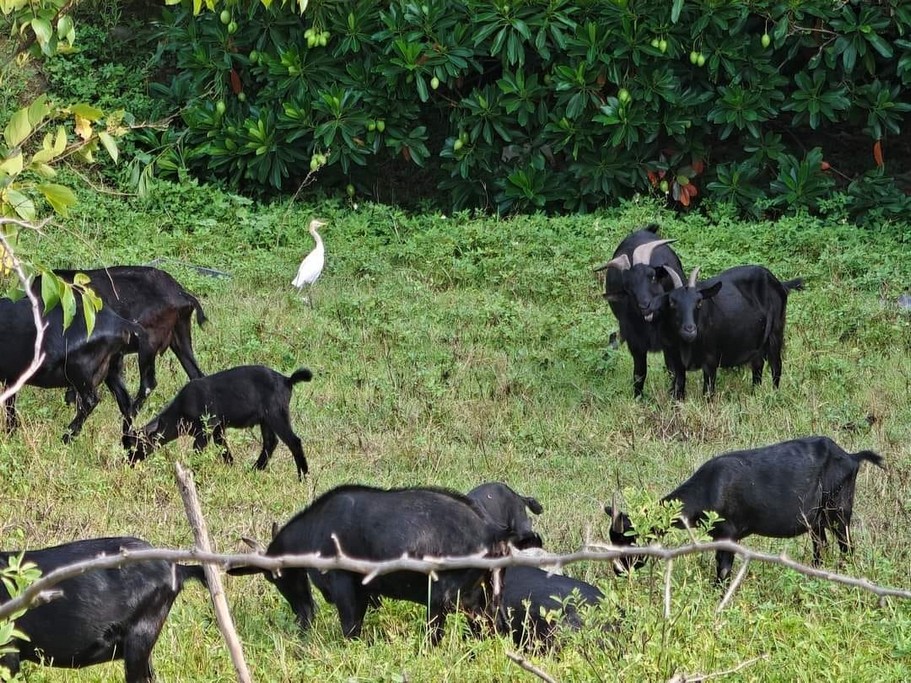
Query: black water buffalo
732, 319
506, 508
637, 273
531, 596
102, 615
159, 304
73, 359
782, 490
240, 397
377, 524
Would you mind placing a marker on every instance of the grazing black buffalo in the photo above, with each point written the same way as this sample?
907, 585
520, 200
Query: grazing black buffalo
102, 615
637, 273
377, 524
73, 359
529, 597
732, 319
782, 490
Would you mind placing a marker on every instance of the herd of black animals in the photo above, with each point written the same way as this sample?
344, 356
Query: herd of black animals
735, 318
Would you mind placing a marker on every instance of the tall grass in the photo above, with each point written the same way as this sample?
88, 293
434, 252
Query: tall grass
450, 350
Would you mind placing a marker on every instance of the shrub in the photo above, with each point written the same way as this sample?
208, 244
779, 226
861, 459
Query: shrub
529, 105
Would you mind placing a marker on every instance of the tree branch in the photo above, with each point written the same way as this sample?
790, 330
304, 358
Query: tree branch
697, 678
40, 325
213, 578
426, 565
531, 668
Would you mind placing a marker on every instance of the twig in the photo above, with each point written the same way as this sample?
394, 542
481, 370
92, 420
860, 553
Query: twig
425, 565
667, 588
531, 668
733, 587
696, 678
213, 577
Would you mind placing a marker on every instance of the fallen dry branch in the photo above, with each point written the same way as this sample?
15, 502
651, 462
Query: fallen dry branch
426, 565
213, 577
697, 678
531, 668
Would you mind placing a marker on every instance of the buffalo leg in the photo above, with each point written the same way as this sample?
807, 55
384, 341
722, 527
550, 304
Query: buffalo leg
218, 436
182, 345
775, 363
436, 622
281, 425
147, 377
351, 604
640, 370
270, 441
86, 400
678, 376
840, 528
757, 366
819, 541
200, 435
709, 373
114, 382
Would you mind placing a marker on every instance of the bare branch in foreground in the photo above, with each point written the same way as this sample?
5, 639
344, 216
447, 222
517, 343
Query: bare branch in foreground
696, 678
40, 325
213, 577
669, 567
593, 553
734, 584
531, 668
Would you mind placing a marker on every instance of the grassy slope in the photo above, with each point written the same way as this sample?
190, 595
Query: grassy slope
450, 351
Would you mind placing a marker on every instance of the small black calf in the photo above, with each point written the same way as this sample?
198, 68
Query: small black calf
240, 397
782, 490
530, 594
102, 615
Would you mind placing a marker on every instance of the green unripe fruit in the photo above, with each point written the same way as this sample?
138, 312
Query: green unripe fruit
662, 45
371, 125
700, 61
457, 145
254, 55
220, 107
242, 96
323, 40
664, 186
463, 136
381, 125
232, 28
624, 96
434, 82
225, 17
766, 40
694, 57
349, 189
654, 43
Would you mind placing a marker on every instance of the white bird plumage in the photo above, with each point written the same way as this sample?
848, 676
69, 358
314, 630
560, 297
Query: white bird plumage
312, 265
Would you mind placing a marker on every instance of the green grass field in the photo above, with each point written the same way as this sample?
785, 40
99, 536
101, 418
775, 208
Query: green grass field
455, 350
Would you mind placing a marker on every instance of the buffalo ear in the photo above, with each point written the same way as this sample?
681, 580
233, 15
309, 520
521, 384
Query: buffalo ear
253, 544
709, 292
533, 505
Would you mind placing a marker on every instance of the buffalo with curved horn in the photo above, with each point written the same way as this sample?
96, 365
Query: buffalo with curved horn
637, 274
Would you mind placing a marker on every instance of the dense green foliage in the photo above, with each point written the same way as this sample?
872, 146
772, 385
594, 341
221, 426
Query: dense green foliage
546, 104
453, 350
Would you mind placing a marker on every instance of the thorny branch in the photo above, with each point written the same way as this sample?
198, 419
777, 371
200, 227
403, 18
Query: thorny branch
426, 565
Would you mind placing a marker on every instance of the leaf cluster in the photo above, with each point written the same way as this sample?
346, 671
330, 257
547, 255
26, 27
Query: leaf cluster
539, 105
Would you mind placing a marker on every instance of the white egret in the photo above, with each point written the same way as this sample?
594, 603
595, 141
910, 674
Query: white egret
312, 265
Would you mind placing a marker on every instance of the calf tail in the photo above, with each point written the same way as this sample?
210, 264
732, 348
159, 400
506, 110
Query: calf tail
201, 318
795, 285
875, 458
301, 375
185, 572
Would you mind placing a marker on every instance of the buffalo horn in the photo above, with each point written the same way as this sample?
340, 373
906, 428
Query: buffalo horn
675, 277
693, 276
643, 253
256, 546
620, 263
